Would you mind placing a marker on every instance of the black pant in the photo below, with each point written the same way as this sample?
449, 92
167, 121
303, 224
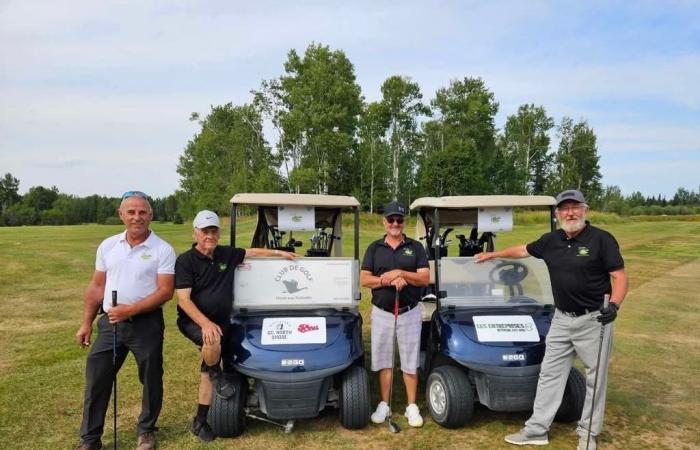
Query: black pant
143, 336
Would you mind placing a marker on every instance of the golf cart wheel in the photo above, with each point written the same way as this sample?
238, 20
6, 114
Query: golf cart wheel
574, 395
354, 398
227, 415
450, 396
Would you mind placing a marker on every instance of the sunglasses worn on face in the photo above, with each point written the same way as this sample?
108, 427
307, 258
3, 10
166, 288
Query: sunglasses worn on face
398, 220
129, 194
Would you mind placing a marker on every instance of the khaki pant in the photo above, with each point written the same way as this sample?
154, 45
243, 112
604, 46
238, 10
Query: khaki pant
569, 336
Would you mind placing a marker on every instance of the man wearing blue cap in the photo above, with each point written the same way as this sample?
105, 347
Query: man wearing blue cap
395, 265
585, 265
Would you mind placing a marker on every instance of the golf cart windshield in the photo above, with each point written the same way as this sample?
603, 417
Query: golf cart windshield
497, 282
305, 283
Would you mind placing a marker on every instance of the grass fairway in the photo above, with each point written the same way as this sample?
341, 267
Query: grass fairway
653, 400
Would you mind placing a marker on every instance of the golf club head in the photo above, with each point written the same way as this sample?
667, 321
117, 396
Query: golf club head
394, 427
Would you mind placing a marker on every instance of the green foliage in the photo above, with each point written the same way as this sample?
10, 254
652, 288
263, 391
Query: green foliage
460, 145
227, 156
316, 105
524, 151
9, 186
401, 102
577, 160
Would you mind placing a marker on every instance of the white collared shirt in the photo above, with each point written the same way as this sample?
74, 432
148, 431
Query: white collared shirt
133, 272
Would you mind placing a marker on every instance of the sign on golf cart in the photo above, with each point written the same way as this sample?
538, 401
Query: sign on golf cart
293, 330
296, 218
303, 283
495, 219
506, 329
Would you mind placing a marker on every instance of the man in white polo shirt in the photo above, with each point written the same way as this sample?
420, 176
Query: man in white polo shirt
140, 267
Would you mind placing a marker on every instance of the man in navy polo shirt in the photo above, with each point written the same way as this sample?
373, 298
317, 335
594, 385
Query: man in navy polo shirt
139, 266
395, 263
585, 264
204, 283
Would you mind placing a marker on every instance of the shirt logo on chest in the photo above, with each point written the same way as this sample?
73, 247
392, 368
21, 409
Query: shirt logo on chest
222, 267
583, 251
146, 256
407, 252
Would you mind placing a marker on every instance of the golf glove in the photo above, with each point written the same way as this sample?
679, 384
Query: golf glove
607, 315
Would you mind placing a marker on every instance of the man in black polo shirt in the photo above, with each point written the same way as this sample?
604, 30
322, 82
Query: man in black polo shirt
584, 264
395, 263
204, 283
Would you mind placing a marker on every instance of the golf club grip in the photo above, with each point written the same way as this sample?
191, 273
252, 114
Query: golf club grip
114, 298
606, 300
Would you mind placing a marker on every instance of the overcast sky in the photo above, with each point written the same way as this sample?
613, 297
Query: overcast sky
95, 96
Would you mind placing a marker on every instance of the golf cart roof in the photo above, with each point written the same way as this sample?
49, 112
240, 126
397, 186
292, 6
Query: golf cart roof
482, 201
275, 199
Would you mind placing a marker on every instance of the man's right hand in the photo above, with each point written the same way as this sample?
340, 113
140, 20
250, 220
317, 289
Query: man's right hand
399, 283
211, 333
483, 256
82, 337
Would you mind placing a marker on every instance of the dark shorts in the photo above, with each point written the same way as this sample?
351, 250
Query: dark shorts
193, 332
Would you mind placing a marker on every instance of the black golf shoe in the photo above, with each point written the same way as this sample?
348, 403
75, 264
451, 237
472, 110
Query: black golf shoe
202, 430
222, 386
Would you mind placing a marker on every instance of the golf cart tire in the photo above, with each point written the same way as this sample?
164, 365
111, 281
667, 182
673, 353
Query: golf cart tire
227, 415
451, 386
354, 398
574, 395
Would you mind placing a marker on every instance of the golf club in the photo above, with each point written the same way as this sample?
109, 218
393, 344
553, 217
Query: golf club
114, 367
606, 302
393, 426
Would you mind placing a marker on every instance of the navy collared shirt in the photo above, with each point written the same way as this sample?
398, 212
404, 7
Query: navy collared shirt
381, 258
211, 280
579, 267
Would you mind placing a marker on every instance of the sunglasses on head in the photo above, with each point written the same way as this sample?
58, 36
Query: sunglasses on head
398, 220
129, 194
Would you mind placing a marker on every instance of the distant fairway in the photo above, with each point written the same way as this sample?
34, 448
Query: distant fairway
653, 401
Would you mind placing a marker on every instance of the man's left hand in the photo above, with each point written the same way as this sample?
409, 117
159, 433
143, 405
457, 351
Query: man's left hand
119, 313
607, 315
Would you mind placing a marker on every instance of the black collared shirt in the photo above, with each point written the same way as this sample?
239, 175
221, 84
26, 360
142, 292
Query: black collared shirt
380, 258
211, 280
579, 267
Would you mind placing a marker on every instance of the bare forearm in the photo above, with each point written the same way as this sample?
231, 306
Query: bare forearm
421, 278
370, 281
152, 301
187, 305
515, 252
92, 301
620, 285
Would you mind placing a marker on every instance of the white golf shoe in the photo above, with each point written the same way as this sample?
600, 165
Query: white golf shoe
413, 415
381, 413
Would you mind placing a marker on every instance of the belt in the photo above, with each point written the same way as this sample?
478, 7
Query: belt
402, 310
579, 313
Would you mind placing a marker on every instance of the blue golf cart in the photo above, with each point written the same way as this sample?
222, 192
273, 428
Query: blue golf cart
295, 342
484, 329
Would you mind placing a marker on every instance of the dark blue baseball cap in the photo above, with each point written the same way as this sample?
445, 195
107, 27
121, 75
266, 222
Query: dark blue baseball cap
395, 209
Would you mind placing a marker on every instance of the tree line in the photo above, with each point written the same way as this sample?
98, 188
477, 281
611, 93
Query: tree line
327, 139
47, 206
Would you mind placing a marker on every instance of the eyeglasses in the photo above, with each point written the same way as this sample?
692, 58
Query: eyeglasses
575, 209
398, 220
129, 194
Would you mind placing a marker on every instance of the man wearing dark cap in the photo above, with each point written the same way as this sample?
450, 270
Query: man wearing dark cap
585, 265
204, 285
395, 263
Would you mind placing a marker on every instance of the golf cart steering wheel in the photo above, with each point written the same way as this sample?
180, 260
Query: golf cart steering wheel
509, 273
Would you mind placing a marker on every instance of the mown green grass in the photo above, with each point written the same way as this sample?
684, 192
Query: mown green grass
653, 400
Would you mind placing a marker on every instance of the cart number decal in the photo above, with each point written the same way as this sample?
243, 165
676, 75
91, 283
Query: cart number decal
506, 329
293, 330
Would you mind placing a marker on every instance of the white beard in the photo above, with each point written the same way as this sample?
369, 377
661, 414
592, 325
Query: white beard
574, 227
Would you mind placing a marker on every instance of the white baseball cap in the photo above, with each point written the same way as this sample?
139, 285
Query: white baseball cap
206, 218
